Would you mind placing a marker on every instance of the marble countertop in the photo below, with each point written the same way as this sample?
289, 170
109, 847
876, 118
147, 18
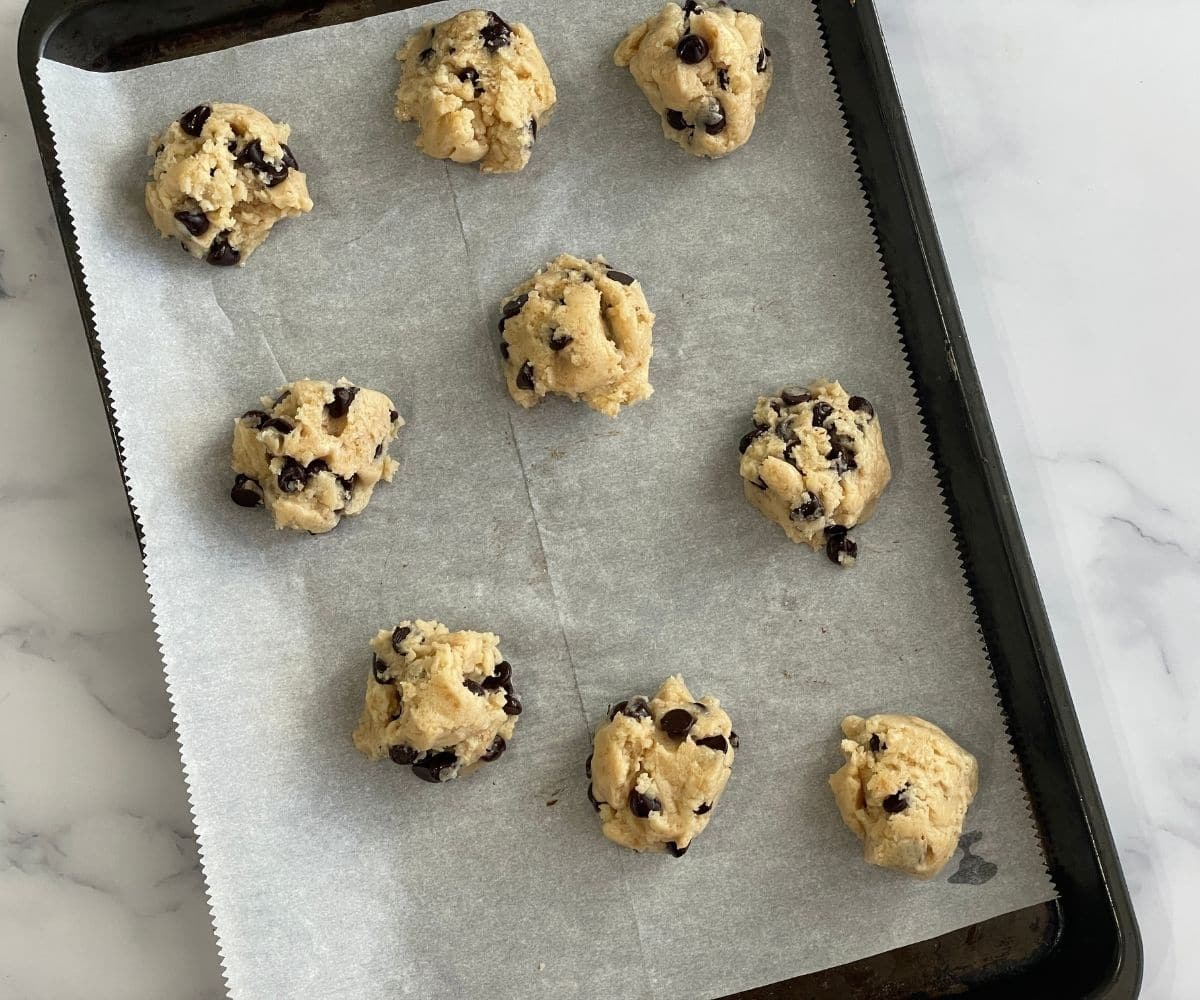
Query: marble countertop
1058, 144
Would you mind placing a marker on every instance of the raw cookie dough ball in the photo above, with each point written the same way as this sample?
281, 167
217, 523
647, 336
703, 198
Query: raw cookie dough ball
658, 768
904, 790
815, 465
479, 89
580, 329
314, 453
441, 701
704, 69
222, 177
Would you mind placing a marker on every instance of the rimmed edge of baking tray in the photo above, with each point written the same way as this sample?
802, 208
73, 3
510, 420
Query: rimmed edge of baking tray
1054, 946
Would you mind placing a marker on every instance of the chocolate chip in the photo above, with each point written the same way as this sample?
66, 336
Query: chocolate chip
676, 120
703, 808
474, 687
842, 459
315, 466
876, 743
691, 49
857, 403
691, 7
501, 676
897, 802
282, 396
733, 740
399, 634
620, 277
702, 709
841, 549
495, 34
343, 396
533, 126
293, 477
763, 55
158, 152
257, 417
469, 75
525, 377
289, 160
495, 749
794, 396
246, 492
252, 156
221, 253
821, 412
402, 754
635, 708
192, 122
277, 424
512, 308
425, 54
433, 765
675, 850
677, 722
512, 706
592, 799
587, 765
748, 438
718, 743
379, 449
379, 670
722, 79
810, 507
393, 416
714, 120
758, 483
347, 484
643, 805
504, 352
790, 456
231, 145
195, 223
559, 340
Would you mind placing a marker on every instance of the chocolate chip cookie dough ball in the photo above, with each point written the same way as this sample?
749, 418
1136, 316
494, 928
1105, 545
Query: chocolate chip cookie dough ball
479, 89
223, 175
704, 69
658, 768
904, 791
314, 453
580, 329
814, 464
440, 701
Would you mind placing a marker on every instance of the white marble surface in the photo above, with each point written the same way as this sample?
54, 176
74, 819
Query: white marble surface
1059, 146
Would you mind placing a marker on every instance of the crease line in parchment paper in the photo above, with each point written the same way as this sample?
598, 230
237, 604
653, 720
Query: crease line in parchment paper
262, 339
462, 232
562, 631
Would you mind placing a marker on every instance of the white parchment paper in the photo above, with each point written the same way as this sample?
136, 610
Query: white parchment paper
606, 553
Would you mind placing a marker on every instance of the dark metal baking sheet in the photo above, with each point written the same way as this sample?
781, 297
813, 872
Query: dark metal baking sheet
1085, 943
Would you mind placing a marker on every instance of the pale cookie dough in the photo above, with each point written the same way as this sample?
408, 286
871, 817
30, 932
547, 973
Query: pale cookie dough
658, 768
815, 465
223, 175
580, 329
904, 790
314, 453
438, 700
479, 89
704, 69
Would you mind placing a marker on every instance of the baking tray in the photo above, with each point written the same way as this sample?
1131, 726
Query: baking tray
1084, 943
